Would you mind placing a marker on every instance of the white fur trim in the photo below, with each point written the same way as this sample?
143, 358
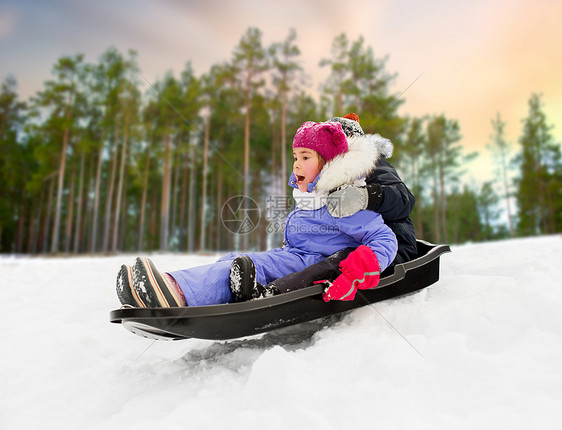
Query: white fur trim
384, 145
353, 166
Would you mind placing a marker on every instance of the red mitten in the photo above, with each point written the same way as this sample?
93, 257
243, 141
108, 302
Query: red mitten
360, 270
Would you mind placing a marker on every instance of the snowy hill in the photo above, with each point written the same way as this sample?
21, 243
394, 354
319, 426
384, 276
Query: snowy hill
480, 349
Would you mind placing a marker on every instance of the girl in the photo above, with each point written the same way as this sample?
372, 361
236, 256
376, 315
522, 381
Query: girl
324, 159
385, 193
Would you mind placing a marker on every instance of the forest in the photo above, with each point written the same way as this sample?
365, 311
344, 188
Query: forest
100, 160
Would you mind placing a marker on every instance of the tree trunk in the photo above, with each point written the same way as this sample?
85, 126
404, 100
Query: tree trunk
36, 222
143, 199
436, 226
543, 214
219, 205
121, 182
94, 237
550, 211
78, 223
275, 165
175, 193
443, 203
247, 152
47, 220
58, 207
20, 230
153, 224
456, 220
415, 175
506, 193
211, 217
109, 197
70, 211
191, 204
121, 243
204, 185
283, 140
165, 204
183, 202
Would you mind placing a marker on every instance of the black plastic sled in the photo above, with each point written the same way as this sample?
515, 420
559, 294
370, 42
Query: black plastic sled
234, 320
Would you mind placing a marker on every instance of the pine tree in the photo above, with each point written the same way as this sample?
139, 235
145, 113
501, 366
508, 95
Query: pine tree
446, 158
169, 122
538, 186
61, 97
129, 102
107, 87
15, 161
360, 83
149, 126
249, 61
226, 138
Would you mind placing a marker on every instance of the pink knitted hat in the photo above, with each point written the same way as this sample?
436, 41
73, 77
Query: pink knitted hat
326, 138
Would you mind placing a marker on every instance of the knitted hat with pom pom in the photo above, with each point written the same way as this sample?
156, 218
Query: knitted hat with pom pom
350, 124
326, 138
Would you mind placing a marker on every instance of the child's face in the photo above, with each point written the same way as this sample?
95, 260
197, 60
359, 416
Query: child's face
306, 166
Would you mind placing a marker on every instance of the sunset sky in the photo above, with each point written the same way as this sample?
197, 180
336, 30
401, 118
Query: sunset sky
471, 59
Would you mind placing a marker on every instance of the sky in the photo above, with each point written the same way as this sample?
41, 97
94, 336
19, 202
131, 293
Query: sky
467, 60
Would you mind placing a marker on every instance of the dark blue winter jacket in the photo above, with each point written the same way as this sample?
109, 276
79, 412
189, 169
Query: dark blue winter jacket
396, 206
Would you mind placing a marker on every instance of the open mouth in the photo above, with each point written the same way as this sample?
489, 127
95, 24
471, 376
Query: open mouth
300, 178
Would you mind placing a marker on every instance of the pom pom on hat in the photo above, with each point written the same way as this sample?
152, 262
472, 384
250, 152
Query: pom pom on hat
350, 124
352, 116
326, 138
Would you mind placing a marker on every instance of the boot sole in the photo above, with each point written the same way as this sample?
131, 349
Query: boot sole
126, 292
157, 289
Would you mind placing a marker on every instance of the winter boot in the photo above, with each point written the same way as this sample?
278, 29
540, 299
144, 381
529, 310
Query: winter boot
153, 287
126, 292
242, 278
243, 283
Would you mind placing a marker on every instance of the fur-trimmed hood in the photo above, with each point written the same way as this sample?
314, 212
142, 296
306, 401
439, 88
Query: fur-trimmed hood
354, 165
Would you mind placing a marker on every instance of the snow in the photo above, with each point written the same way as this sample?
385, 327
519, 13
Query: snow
480, 349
